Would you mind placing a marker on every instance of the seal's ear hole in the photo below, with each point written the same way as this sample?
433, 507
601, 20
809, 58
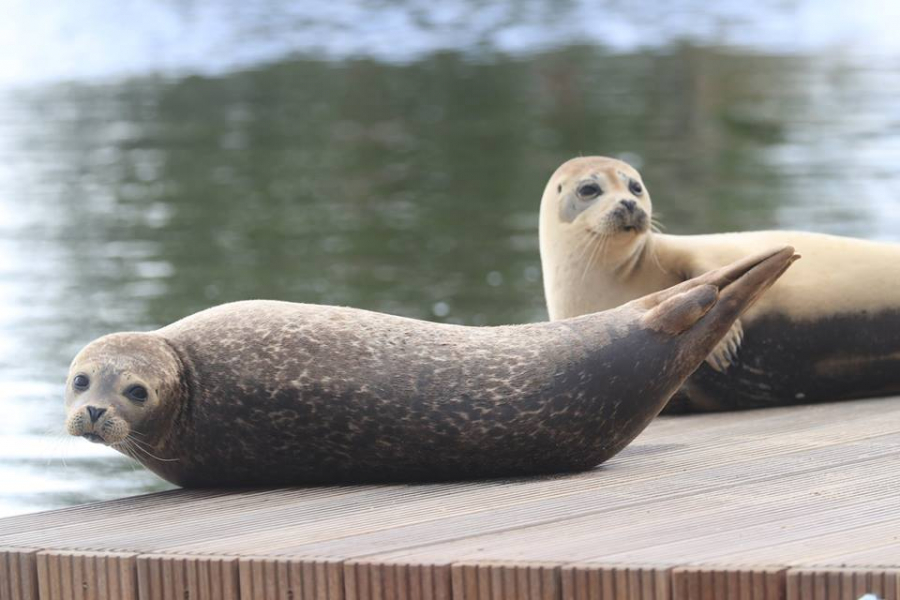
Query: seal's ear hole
138, 393
559, 189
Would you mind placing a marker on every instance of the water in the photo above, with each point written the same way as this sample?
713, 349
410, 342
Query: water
158, 158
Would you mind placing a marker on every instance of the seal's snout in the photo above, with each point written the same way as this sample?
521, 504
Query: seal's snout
98, 425
95, 413
628, 216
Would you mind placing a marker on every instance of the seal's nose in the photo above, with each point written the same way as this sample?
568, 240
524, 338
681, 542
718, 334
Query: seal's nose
629, 204
95, 413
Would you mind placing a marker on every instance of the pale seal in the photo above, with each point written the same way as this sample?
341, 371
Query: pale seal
266, 393
826, 331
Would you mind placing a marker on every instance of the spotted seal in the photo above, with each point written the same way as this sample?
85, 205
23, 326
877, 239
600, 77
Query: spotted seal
826, 331
265, 392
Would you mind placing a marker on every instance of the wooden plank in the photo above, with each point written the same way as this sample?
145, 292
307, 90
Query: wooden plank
882, 552
685, 524
64, 575
18, 574
264, 578
401, 581
839, 584
168, 577
815, 535
88, 514
728, 583
506, 581
137, 528
615, 582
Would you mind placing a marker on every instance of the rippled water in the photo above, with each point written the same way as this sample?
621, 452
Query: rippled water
157, 158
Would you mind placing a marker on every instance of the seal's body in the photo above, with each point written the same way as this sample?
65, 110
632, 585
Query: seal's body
262, 392
827, 331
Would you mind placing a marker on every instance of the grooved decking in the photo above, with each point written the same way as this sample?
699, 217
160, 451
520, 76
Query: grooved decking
778, 504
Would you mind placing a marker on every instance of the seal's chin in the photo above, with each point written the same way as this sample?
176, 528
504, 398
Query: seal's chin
93, 437
635, 229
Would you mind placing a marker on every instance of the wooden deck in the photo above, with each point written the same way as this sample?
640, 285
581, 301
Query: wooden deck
785, 503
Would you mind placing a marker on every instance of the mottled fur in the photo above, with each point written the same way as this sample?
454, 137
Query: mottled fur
268, 392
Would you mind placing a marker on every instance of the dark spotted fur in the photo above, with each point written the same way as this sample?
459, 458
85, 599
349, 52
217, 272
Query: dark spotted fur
274, 393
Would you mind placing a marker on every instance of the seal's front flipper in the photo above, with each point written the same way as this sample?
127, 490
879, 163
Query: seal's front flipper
725, 353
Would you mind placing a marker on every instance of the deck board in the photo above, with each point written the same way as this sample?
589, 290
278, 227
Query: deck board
783, 503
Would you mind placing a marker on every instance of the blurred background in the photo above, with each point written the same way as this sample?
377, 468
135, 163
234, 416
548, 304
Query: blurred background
161, 156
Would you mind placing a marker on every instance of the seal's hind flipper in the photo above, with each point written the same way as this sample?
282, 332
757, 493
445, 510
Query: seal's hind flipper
725, 354
680, 312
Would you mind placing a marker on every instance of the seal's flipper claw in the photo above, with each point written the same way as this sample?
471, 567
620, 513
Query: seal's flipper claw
725, 353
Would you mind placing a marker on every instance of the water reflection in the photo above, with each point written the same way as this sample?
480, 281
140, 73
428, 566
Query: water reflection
406, 187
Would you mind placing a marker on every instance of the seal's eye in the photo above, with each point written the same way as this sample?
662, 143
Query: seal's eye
138, 393
635, 188
81, 382
589, 190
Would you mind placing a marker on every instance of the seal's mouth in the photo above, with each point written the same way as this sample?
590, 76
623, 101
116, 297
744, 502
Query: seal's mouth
93, 437
634, 221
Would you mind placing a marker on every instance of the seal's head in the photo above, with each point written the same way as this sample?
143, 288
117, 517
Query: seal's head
599, 198
124, 390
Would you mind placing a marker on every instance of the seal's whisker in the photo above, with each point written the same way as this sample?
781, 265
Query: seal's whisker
58, 441
55, 430
605, 248
138, 445
137, 441
600, 248
658, 263
130, 450
586, 249
126, 449
65, 444
587, 243
588, 262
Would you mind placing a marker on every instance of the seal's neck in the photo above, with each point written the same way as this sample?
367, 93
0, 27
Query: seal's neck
634, 258
581, 277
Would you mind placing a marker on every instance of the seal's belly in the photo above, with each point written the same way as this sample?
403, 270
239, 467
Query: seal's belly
783, 362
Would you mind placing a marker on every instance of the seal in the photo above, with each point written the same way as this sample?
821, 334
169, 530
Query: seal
276, 393
826, 331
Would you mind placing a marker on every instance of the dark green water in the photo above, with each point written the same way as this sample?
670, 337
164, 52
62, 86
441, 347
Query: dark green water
407, 186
